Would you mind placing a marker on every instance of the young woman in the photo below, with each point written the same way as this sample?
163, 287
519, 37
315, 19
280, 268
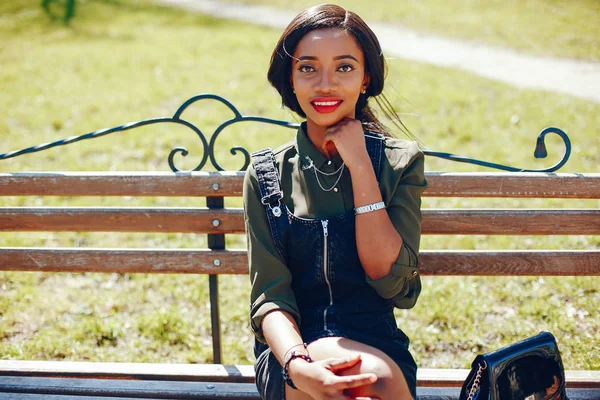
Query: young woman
333, 223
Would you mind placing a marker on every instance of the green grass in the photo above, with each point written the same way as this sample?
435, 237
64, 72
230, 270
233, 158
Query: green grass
122, 62
540, 27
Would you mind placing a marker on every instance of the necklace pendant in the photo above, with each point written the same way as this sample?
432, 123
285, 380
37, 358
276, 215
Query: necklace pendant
339, 172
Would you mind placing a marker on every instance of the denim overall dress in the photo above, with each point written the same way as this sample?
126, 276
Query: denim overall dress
328, 280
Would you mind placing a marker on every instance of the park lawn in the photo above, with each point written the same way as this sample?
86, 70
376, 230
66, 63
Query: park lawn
124, 62
540, 27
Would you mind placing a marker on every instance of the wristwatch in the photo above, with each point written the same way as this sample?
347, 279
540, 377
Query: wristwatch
369, 207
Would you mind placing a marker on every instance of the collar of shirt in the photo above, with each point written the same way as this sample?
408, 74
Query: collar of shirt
306, 148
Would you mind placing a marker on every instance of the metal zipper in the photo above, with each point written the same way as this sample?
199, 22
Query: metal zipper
325, 234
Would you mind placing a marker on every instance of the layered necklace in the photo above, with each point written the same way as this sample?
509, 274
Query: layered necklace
317, 171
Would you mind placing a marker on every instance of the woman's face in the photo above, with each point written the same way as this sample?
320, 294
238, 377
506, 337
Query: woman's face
328, 75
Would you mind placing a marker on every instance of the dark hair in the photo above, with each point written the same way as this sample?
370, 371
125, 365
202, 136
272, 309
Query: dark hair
326, 16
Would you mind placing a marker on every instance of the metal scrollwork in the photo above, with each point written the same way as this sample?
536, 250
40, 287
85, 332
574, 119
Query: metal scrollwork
540, 152
104, 132
238, 117
209, 147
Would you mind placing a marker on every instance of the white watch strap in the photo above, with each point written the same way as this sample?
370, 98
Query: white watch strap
369, 208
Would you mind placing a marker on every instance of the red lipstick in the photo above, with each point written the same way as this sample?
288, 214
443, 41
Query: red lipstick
326, 105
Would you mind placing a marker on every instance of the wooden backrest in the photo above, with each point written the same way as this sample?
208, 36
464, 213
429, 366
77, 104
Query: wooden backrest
218, 221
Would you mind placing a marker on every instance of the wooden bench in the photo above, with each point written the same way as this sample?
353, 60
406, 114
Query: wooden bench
71, 380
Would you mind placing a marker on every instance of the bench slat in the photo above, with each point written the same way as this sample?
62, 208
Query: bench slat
116, 370
446, 262
34, 396
221, 392
176, 261
95, 219
121, 184
511, 222
513, 184
496, 184
426, 377
510, 263
202, 220
128, 388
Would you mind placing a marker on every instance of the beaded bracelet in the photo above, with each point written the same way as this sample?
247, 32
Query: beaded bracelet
284, 370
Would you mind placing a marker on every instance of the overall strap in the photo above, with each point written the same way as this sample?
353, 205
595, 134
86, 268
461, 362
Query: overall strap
268, 180
374, 143
271, 195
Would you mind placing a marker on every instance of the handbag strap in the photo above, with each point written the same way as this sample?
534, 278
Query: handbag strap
475, 387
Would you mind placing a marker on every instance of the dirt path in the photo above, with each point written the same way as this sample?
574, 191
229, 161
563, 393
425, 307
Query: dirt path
571, 77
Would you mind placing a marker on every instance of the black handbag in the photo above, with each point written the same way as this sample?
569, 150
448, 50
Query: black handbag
528, 370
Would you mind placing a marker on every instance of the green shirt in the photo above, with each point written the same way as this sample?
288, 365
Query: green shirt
401, 181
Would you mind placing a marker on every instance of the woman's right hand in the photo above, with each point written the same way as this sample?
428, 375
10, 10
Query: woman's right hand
320, 379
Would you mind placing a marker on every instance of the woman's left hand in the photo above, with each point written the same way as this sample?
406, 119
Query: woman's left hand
347, 136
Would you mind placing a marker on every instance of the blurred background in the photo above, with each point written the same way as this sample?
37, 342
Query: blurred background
117, 61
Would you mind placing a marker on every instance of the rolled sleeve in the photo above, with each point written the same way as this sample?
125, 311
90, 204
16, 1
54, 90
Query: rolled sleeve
403, 283
262, 309
404, 268
270, 277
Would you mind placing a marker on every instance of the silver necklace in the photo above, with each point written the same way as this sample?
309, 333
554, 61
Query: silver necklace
317, 171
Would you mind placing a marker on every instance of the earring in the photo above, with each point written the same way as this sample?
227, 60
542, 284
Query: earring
364, 91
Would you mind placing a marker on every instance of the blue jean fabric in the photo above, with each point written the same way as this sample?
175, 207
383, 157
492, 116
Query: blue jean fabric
332, 295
